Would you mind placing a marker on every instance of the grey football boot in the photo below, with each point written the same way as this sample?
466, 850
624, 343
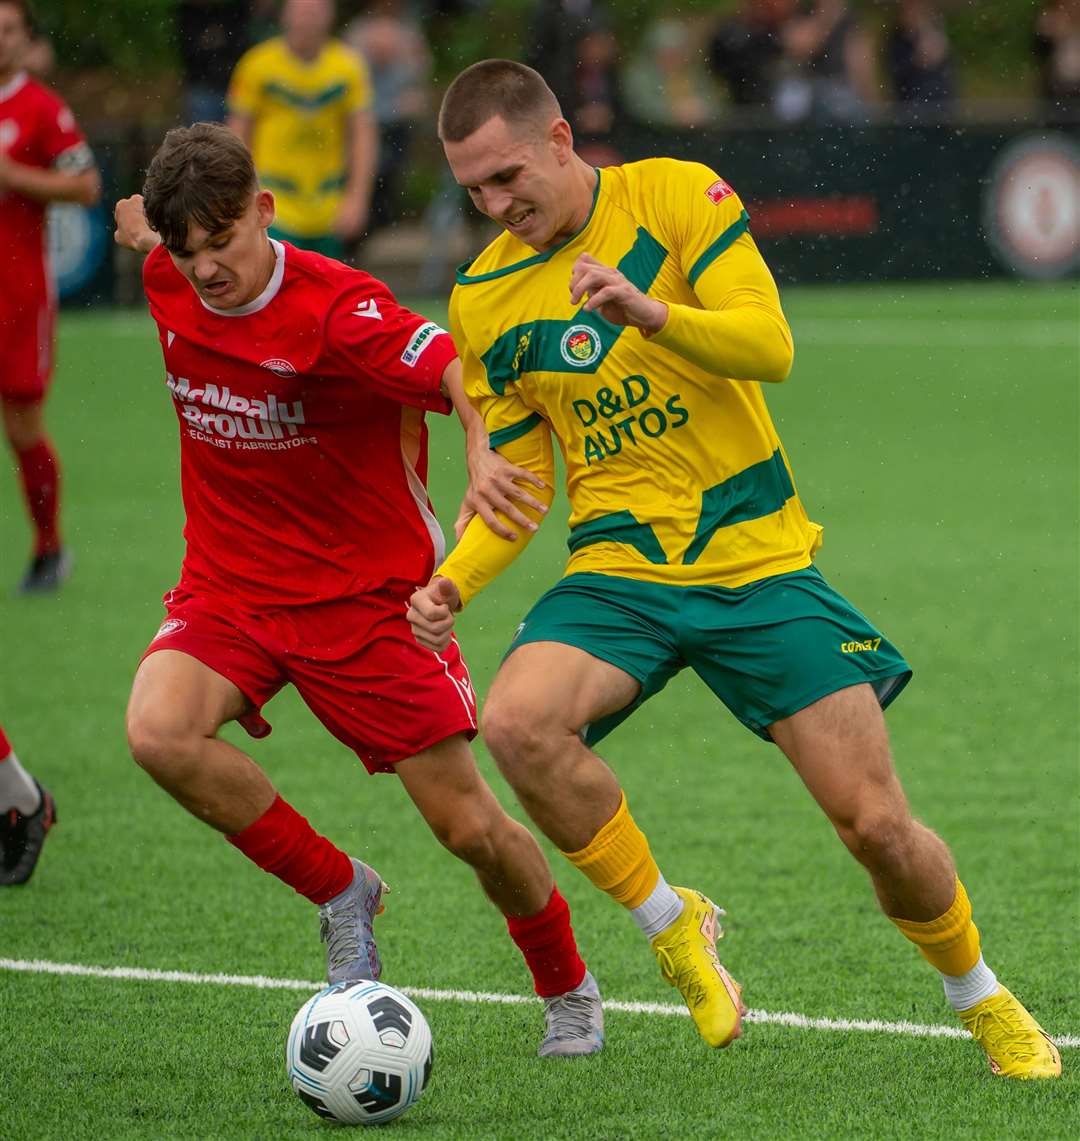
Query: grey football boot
575, 1022
345, 927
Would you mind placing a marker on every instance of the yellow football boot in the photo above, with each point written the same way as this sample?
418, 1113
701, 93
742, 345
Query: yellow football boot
1017, 1046
686, 952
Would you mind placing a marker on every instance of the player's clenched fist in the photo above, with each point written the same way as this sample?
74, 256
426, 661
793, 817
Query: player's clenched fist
132, 230
613, 297
431, 613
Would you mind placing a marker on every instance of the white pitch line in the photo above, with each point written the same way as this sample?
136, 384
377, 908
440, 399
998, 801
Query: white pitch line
782, 1018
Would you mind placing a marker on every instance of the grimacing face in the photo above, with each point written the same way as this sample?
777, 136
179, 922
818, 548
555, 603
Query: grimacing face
521, 179
228, 268
14, 38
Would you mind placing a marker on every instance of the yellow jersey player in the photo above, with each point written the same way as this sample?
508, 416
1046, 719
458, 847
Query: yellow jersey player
302, 103
628, 313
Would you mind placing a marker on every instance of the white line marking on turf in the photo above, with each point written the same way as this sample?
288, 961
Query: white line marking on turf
782, 1018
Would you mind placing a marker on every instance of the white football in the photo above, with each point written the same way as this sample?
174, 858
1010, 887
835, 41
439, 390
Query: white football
359, 1053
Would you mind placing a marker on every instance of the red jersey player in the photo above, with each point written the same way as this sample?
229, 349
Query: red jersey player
27, 812
300, 386
43, 158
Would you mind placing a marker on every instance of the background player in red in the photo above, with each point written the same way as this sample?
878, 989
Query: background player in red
27, 812
300, 386
43, 159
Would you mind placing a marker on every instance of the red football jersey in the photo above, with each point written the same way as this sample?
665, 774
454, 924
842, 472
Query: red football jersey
303, 447
36, 129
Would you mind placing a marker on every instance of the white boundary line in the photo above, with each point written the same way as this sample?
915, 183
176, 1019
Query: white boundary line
783, 1018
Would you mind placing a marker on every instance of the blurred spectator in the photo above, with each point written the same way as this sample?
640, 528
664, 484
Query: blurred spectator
399, 63
210, 38
596, 101
301, 101
746, 49
39, 58
918, 56
556, 31
667, 83
1057, 49
828, 66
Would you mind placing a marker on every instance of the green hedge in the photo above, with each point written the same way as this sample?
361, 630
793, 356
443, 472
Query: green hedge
992, 42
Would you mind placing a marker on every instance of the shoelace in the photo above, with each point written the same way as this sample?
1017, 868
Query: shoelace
569, 1016
1004, 1028
677, 966
338, 930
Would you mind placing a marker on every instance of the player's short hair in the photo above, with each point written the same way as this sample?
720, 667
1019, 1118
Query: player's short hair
202, 174
496, 87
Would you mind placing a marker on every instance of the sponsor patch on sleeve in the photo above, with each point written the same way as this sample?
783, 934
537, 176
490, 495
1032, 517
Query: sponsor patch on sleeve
420, 340
718, 192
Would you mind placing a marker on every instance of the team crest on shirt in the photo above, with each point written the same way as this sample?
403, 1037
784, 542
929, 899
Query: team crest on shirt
169, 626
579, 346
718, 192
279, 367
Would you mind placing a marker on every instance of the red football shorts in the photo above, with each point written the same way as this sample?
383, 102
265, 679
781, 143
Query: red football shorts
27, 327
354, 662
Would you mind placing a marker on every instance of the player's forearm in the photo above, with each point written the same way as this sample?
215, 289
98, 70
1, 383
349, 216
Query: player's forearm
751, 341
482, 556
45, 185
476, 433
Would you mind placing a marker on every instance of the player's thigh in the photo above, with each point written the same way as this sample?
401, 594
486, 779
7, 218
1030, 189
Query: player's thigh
206, 665
776, 646
589, 652
175, 695
445, 784
839, 746
26, 331
24, 421
552, 685
361, 672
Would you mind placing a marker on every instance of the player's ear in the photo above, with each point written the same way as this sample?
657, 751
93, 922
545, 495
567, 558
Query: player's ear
562, 140
264, 209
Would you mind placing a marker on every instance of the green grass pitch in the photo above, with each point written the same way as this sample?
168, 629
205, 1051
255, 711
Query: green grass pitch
933, 431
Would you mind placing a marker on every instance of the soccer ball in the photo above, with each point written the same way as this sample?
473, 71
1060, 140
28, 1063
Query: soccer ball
359, 1053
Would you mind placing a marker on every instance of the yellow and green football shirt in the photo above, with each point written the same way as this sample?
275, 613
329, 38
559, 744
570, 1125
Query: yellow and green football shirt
675, 473
300, 115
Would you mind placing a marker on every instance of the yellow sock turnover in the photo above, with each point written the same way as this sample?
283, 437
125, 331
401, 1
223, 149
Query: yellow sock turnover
618, 861
950, 942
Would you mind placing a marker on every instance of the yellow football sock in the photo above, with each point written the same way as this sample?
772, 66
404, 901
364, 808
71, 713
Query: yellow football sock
618, 860
950, 942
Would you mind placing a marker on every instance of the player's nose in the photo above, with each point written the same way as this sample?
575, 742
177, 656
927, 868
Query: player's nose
204, 267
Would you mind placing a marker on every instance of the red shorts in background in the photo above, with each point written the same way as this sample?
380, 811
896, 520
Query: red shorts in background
353, 661
27, 328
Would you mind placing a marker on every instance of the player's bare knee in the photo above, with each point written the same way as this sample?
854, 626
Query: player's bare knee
160, 745
877, 836
517, 737
470, 837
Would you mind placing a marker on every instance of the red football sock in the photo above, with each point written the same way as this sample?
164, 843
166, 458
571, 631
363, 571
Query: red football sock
284, 844
40, 472
5, 745
547, 942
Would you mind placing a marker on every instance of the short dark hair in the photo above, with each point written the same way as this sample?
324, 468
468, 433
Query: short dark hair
494, 87
201, 174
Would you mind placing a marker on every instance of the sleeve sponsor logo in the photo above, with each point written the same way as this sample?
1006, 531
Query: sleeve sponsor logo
421, 339
718, 192
579, 346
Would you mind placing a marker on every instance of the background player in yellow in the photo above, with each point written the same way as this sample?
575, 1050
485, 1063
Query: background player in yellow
301, 102
628, 313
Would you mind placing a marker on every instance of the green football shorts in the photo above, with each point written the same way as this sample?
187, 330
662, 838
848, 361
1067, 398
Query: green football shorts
766, 650
329, 245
